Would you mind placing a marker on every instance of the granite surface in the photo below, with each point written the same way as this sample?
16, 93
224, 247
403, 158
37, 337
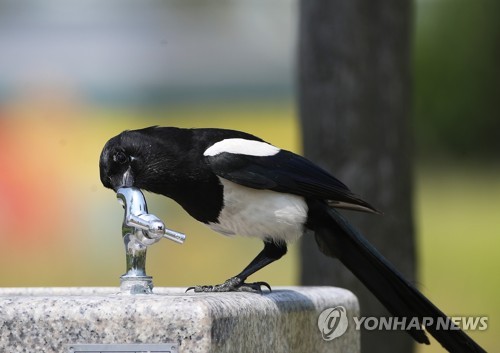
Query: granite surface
50, 319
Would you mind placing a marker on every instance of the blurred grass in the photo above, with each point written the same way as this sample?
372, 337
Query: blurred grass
458, 220
457, 217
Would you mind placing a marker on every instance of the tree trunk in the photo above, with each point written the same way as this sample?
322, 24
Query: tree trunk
354, 101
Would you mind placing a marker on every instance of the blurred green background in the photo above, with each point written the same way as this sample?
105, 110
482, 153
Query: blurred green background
72, 76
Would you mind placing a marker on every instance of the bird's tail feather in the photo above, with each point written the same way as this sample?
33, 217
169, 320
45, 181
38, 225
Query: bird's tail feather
336, 238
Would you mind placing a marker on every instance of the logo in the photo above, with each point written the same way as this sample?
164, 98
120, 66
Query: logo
467, 323
332, 322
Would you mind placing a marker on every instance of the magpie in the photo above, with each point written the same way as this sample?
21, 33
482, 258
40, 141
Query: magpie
238, 184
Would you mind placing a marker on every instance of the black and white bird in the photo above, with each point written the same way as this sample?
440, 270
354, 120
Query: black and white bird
238, 184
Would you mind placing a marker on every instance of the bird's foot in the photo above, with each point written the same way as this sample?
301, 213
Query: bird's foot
233, 284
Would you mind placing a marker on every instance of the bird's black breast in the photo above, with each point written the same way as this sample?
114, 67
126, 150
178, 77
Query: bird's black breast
202, 200
197, 189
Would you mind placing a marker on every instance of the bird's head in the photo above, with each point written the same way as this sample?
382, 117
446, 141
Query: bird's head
140, 158
116, 163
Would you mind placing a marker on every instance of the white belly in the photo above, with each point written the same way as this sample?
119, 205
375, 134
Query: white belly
260, 213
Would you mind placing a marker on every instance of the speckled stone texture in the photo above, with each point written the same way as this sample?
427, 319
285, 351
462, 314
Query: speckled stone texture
49, 319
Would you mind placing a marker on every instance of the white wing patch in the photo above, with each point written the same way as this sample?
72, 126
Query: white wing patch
242, 146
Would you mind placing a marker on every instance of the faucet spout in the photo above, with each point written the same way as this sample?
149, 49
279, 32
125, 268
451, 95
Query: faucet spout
140, 230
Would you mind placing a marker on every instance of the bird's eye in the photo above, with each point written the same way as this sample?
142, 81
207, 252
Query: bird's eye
120, 157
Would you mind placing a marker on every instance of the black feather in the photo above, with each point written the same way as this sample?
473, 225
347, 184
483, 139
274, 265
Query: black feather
286, 172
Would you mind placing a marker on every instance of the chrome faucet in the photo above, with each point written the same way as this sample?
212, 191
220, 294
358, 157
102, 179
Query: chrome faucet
140, 229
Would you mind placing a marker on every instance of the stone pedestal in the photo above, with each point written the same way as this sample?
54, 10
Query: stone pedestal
56, 320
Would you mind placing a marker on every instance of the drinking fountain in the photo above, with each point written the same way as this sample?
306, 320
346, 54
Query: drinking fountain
134, 319
140, 229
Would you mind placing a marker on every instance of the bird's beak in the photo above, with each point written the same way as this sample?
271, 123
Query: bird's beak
127, 180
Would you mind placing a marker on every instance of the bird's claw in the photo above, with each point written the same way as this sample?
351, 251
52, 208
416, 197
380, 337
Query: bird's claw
233, 284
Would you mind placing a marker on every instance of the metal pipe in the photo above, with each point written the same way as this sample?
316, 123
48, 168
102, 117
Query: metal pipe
140, 230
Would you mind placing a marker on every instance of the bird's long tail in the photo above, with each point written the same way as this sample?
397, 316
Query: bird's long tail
336, 238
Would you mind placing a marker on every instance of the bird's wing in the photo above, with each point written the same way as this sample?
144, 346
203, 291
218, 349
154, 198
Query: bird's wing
288, 173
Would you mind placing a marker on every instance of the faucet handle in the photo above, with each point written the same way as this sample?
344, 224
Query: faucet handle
157, 229
154, 227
